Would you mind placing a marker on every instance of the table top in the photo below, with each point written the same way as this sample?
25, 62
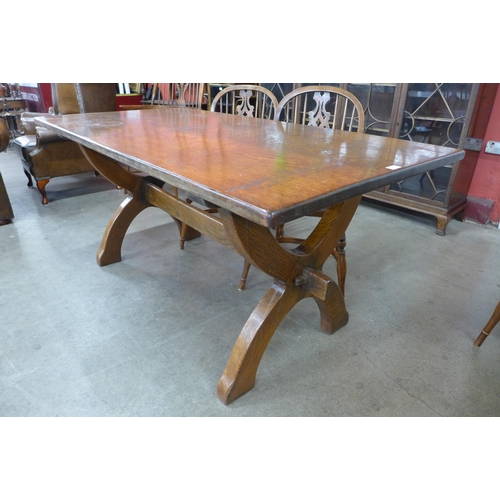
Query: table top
266, 171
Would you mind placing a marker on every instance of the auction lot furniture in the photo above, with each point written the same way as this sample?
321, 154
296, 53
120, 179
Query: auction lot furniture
495, 318
6, 213
4, 136
446, 114
253, 101
325, 107
260, 174
46, 155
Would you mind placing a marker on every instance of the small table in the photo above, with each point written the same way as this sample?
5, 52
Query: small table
261, 174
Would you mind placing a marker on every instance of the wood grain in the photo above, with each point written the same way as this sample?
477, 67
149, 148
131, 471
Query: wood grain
263, 170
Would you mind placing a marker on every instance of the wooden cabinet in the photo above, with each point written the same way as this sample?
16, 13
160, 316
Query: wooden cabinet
435, 113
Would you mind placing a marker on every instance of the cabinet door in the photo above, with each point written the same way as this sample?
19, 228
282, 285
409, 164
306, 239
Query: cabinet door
380, 103
435, 113
280, 90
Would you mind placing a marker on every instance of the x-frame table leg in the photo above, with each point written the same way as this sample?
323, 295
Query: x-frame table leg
110, 250
297, 274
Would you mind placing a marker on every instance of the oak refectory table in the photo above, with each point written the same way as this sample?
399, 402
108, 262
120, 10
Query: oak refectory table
260, 174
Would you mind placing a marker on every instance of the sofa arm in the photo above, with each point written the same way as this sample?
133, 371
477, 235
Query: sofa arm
28, 125
44, 136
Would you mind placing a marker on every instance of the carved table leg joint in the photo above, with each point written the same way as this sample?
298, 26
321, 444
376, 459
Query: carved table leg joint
316, 283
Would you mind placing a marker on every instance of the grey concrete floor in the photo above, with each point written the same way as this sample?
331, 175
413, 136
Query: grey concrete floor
151, 335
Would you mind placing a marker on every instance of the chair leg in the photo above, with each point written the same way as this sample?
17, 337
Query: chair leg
244, 275
40, 184
339, 255
495, 318
184, 226
30, 179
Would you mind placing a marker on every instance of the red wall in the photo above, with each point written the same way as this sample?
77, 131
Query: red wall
46, 92
486, 180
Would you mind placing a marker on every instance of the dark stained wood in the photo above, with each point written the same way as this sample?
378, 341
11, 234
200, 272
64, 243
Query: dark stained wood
260, 174
4, 136
6, 213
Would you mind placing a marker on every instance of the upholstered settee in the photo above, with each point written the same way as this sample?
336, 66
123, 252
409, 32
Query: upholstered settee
45, 154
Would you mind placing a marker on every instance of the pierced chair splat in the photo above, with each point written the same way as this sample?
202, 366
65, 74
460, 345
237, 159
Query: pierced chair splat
322, 106
247, 100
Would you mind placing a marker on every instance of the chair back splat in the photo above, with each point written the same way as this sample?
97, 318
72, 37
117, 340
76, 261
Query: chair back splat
246, 100
322, 106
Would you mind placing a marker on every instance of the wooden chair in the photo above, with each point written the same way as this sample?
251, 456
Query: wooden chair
495, 318
245, 100
326, 107
249, 100
322, 106
252, 101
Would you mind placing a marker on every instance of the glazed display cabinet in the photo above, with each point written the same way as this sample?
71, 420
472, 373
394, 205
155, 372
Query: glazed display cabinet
434, 113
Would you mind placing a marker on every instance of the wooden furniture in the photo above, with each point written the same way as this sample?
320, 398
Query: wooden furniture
46, 155
436, 113
323, 106
4, 136
245, 100
495, 318
320, 106
252, 101
6, 213
260, 174
95, 97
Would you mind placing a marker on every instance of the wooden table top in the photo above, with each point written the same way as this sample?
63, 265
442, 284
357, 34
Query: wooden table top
263, 170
